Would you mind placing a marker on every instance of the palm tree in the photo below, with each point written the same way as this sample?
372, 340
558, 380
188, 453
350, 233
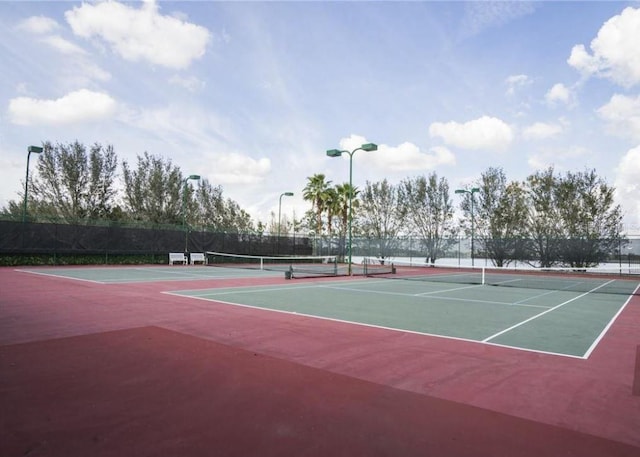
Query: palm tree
314, 192
331, 204
344, 192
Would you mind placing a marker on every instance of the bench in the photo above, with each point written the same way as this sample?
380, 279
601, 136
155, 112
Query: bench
198, 257
177, 257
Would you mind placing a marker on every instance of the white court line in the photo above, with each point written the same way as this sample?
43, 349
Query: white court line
521, 302
236, 290
362, 324
52, 275
544, 312
447, 290
171, 276
230, 291
468, 300
564, 289
613, 319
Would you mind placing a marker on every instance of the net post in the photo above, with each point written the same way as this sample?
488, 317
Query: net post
483, 277
262, 263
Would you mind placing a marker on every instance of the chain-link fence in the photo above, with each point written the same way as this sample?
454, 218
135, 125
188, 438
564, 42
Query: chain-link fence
105, 242
454, 251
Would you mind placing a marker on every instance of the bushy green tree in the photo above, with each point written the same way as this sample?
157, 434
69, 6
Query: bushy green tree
544, 223
591, 221
153, 190
74, 184
428, 207
381, 215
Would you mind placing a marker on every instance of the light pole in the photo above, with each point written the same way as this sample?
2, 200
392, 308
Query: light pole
337, 153
35, 150
184, 211
470, 192
287, 194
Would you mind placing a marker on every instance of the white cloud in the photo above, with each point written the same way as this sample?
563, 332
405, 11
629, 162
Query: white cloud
186, 128
141, 34
201, 141
404, 157
63, 46
192, 84
541, 131
486, 132
38, 25
615, 51
91, 71
77, 70
627, 184
556, 157
480, 16
240, 169
622, 115
515, 82
559, 93
408, 157
76, 107
353, 142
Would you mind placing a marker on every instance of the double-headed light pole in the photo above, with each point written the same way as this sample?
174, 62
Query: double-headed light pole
35, 150
337, 153
472, 191
184, 209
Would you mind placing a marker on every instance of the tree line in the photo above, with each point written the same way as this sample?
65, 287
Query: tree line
78, 184
549, 219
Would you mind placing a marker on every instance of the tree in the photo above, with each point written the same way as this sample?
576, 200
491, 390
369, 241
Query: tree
501, 216
508, 228
381, 215
429, 211
237, 219
346, 195
285, 225
210, 205
207, 207
153, 190
591, 221
544, 224
73, 185
331, 205
314, 192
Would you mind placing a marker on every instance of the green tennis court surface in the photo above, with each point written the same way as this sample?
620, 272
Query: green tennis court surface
551, 321
121, 275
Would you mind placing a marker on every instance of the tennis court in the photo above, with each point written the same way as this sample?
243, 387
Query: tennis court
185, 359
554, 313
122, 275
564, 322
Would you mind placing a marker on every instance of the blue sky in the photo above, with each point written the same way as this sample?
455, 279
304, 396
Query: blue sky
251, 94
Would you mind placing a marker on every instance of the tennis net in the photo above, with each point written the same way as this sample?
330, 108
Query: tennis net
618, 280
296, 266
375, 266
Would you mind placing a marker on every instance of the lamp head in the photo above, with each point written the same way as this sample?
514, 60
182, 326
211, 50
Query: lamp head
460, 191
194, 177
369, 147
475, 189
289, 194
35, 149
334, 153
